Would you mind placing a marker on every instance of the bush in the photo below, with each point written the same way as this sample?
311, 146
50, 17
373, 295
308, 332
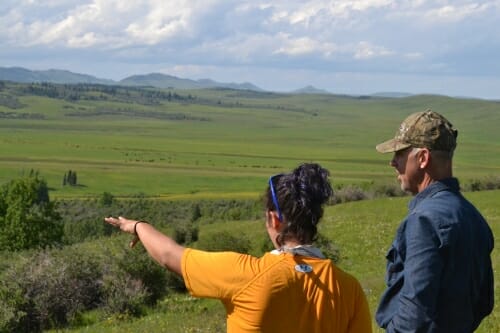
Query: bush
195, 213
123, 294
56, 285
230, 210
15, 309
349, 193
489, 183
185, 233
329, 249
140, 267
225, 241
83, 219
106, 199
174, 282
59, 284
392, 190
93, 228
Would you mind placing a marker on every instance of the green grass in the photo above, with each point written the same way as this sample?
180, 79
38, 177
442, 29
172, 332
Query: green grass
178, 313
229, 150
233, 147
362, 230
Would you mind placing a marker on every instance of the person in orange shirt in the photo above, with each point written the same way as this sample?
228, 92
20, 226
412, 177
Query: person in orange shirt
292, 289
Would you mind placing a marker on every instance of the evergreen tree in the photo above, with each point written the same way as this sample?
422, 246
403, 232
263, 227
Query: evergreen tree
107, 199
195, 213
70, 177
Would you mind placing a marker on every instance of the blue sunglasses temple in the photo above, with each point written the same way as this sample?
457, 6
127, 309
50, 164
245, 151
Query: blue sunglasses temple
275, 199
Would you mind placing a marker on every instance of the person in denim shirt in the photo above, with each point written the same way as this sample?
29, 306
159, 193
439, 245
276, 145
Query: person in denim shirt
439, 274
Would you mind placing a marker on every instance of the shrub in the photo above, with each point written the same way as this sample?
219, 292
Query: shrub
230, 210
266, 245
349, 193
79, 231
123, 294
195, 213
59, 284
174, 282
15, 309
389, 190
225, 241
83, 219
329, 249
489, 183
106, 199
185, 233
56, 285
140, 267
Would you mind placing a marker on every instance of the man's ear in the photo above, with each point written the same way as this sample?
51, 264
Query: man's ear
424, 157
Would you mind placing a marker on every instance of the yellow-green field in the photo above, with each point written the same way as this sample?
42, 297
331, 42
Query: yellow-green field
223, 142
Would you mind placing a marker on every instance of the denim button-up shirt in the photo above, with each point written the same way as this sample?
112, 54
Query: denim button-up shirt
439, 273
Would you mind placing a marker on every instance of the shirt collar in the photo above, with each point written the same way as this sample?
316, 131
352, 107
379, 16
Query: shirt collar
447, 184
301, 250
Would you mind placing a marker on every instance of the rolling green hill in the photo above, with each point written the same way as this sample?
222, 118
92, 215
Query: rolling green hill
217, 142
19, 74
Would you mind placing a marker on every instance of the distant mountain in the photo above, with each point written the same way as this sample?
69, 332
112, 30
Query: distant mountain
160, 81
168, 81
311, 90
23, 75
391, 94
208, 83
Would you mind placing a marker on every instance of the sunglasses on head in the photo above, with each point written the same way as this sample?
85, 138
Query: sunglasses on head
275, 198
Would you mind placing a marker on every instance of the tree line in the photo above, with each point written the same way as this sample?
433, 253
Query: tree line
99, 92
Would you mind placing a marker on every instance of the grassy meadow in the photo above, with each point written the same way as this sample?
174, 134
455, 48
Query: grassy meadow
222, 143
225, 144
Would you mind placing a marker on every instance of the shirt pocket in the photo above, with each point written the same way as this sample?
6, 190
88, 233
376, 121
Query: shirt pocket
394, 265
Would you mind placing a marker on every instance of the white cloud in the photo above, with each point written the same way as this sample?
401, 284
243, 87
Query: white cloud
455, 13
303, 46
162, 21
305, 12
430, 37
365, 50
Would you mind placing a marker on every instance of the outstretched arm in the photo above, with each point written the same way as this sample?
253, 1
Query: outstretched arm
161, 248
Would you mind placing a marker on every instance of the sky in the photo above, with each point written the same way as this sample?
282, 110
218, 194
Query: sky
346, 46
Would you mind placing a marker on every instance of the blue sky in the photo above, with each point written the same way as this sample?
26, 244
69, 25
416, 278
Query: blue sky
346, 46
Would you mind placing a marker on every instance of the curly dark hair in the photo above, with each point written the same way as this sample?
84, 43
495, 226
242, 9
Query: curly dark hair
300, 196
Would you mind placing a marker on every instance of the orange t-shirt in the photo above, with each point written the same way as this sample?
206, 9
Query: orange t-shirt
278, 292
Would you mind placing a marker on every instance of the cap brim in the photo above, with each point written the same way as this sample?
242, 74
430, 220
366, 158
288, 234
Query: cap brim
391, 146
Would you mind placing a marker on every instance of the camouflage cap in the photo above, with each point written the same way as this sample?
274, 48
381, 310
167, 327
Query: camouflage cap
427, 129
